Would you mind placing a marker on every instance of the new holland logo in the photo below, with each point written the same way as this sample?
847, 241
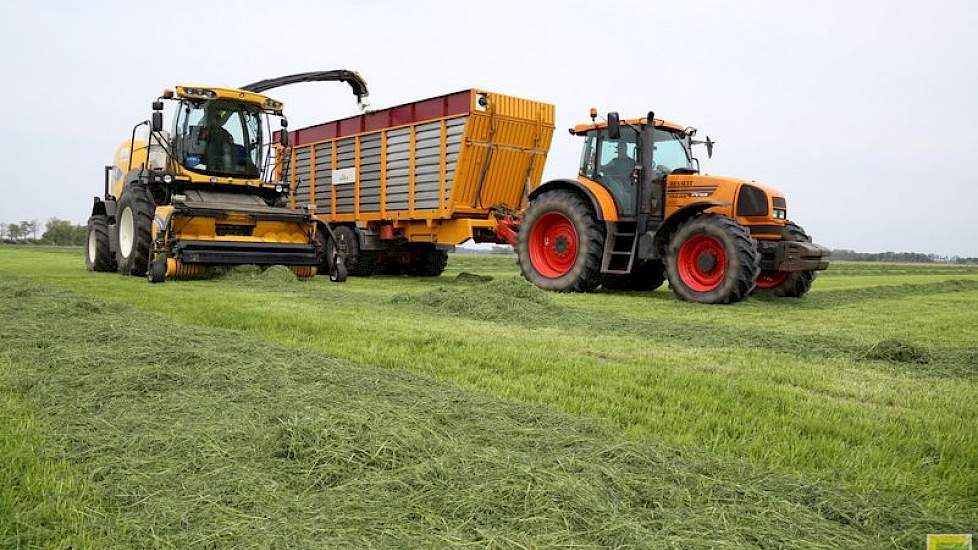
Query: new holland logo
949, 542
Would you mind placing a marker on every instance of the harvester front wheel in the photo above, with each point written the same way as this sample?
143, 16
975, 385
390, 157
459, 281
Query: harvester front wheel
646, 276
426, 261
133, 227
784, 284
358, 262
560, 243
98, 251
712, 259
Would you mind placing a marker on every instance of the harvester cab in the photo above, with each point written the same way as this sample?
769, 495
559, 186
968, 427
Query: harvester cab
206, 192
640, 213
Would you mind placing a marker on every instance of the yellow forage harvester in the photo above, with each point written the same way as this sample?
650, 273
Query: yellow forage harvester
203, 191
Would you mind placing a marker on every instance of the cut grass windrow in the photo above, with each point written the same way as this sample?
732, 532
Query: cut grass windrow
205, 437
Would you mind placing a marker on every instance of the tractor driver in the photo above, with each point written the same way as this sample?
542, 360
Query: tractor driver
217, 152
616, 174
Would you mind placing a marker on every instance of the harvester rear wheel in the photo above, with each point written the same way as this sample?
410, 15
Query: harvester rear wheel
426, 261
646, 276
358, 262
98, 251
133, 226
712, 259
560, 243
784, 284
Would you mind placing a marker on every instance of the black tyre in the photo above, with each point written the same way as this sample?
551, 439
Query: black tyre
426, 261
712, 259
157, 269
98, 251
560, 243
782, 284
646, 276
133, 226
358, 262
331, 262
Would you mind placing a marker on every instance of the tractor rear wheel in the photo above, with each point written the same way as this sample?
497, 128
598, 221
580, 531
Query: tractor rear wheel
785, 284
426, 260
712, 259
98, 251
134, 226
358, 262
560, 243
645, 276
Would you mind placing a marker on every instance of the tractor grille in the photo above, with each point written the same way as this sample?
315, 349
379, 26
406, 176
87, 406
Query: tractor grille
233, 230
751, 201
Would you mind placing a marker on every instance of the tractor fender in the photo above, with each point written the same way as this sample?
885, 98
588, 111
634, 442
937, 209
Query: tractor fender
574, 186
662, 234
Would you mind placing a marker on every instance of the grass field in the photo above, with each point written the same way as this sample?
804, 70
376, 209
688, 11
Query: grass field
260, 411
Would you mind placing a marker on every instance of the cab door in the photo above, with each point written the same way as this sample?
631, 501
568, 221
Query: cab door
612, 163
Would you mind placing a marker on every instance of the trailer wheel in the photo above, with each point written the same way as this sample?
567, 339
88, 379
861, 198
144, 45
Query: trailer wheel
785, 284
646, 276
426, 260
560, 243
133, 227
358, 262
98, 251
712, 259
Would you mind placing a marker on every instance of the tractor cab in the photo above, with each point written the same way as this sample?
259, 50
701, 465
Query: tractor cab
612, 156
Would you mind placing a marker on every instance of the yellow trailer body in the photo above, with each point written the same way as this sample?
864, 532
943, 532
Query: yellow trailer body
433, 171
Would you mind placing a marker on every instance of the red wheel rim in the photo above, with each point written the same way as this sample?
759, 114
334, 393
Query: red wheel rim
553, 245
771, 279
702, 263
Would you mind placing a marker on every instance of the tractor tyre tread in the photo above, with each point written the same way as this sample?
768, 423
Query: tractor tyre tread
745, 261
427, 261
585, 275
359, 263
104, 260
139, 199
797, 283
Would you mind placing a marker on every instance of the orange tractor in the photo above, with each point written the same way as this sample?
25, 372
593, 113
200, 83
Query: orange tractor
639, 213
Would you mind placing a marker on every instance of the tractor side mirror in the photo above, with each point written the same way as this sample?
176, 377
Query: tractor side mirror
283, 136
614, 126
156, 124
709, 147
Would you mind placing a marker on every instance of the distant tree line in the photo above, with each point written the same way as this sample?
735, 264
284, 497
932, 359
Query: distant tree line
900, 257
54, 232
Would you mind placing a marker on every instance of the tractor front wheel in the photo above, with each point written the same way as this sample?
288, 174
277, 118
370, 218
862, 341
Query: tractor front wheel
712, 259
560, 243
134, 225
787, 284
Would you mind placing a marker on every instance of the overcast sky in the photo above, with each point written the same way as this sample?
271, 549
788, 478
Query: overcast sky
864, 113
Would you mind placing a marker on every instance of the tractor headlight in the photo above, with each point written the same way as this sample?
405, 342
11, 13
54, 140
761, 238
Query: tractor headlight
167, 178
780, 214
279, 188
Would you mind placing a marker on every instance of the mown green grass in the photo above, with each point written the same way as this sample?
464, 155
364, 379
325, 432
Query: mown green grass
43, 502
797, 386
200, 437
